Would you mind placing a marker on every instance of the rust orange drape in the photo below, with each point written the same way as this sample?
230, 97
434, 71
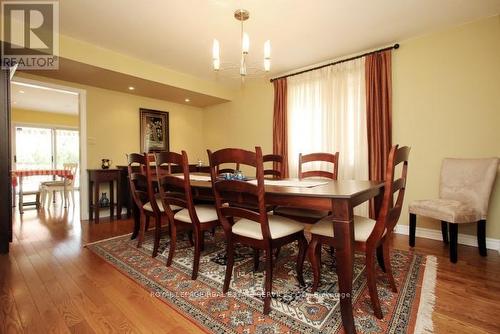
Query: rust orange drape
378, 78
280, 126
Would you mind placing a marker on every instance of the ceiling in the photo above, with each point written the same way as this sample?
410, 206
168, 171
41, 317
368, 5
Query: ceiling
178, 34
38, 98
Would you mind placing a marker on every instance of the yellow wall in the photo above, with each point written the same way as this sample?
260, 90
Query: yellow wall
43, 118
446, 103
113, 124
246, 121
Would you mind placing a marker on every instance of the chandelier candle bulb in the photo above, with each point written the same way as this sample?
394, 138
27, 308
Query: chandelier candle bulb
267, 64
267, 49
216, 64
245, 43
215, 50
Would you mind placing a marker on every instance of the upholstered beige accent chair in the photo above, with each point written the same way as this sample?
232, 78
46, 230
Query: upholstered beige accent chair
464, 193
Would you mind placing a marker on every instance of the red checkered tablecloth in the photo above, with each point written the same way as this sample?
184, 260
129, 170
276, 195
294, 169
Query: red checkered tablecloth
56, 172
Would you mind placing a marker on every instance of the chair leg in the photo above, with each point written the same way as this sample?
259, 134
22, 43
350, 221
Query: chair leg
51, 195
157, 235
278, 249
380, 257
314, 253
198, 244
268, 285
173, 243
202, 241
372, 283
481, 237
229, 265
301, 256
140, 237
413, 227
453, 242
73, 197
388, 266
256, 256
332, 251
444, 232
190, 238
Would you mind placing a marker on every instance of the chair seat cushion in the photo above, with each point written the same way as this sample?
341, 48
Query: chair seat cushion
205, 212
149, 207
447, 210
53, 183
298, 212
363, 227
278, 226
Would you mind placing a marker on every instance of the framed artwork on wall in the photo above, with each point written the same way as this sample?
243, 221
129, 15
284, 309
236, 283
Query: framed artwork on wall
154, 130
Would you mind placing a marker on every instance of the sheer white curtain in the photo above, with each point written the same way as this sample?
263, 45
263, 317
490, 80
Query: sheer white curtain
327, 113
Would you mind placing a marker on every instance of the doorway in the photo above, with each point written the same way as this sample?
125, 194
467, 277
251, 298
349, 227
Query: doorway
49, 131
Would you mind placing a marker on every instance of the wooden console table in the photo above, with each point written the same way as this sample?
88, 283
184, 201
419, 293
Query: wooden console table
96, 177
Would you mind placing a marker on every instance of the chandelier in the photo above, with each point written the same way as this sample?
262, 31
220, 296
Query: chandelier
244, 68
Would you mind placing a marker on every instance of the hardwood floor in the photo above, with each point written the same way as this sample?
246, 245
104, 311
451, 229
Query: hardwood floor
50, 283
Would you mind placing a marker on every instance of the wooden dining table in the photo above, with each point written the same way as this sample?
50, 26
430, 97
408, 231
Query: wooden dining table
339, 197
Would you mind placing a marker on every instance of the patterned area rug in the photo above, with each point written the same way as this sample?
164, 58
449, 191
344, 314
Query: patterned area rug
294, 308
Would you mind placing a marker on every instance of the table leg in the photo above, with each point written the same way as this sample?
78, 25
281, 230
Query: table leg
21, 210
96, 204
118, 199
111, 199
137, 220
91, 202
343, 226
65, 199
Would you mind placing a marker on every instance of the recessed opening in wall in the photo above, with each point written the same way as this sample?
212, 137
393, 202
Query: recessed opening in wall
48, 153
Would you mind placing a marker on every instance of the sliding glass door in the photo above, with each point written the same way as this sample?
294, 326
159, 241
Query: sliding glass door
44, 148
67, 149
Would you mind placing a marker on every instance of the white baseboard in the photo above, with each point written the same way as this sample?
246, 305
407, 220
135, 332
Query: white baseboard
463, 239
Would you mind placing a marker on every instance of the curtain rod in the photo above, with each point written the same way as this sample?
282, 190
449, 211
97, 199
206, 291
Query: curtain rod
395, 46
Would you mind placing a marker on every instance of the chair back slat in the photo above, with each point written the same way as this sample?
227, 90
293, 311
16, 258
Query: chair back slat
232, 211
222, 170
319, 157
276, 172
232, 155
390, 211
230, 193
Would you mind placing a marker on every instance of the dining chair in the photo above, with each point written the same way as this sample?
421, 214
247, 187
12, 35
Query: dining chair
465, 188
184, 215
256, 229
371, 236
142, 190
276, 171
310, 216
65, 186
